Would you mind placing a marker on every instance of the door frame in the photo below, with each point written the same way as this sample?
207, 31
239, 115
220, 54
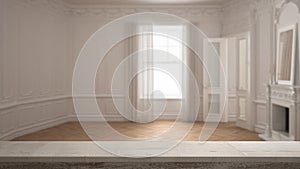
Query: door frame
240, 93
216, 90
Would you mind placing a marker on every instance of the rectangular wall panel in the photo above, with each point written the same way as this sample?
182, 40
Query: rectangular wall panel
261, 115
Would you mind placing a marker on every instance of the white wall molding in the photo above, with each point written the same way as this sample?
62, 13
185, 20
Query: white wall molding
285, 93
54, 98
118, 11
56, 6
264, 6
95, 118
31, 102
84, 20
253, 16
260, 101
98, 96
232, 117
115, 117
33, 79
232, 96
259, 128
114, 11
33, 128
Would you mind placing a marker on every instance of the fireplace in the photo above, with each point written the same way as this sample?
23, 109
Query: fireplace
281, 120
284, 117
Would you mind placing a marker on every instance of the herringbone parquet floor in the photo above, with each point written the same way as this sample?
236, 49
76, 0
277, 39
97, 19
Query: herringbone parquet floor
73, 131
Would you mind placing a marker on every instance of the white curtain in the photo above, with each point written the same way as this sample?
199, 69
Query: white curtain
190, 101
145, 102
141, 86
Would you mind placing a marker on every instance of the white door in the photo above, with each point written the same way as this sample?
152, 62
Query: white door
215, 85
243, 80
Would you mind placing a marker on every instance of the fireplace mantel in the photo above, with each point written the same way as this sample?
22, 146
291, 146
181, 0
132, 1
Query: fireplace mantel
283, 102
285, 93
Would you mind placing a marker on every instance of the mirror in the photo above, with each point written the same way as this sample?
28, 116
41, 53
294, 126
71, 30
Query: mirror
285, 55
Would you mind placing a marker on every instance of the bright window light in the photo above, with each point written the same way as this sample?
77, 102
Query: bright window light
162, 81
157, 80
166, 84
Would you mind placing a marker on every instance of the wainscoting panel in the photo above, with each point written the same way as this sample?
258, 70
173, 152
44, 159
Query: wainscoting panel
42, 39
23, 118
232, 108
33, 67
261, 118
264, 53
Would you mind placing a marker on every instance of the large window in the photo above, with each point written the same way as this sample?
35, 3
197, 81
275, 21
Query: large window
163, 81
173, 48
170, 45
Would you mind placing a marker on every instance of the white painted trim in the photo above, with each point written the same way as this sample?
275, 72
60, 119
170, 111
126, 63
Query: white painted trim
95, 118
98, 96
72, 118
281, 30
34, 101
260, 128
40, 125
33, 128
50, 99
232, 117
168, 117
232, 96
258, 101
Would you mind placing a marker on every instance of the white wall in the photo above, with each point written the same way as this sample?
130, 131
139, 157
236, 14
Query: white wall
255, 17
264, 54
236, 20
35, 67
40, 41
86, 20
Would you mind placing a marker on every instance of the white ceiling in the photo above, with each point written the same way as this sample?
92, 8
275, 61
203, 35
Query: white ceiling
145, 2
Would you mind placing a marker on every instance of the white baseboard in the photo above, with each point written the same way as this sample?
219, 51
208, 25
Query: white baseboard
168, 117
231, 117
171, 116
93, 118
259, 128
33, 128
63, 119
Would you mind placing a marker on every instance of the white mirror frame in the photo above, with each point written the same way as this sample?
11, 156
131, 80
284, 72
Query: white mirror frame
291, 81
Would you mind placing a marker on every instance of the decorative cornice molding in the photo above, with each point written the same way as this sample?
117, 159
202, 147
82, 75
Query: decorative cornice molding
56, 6
114, 11
264, 4
111, 12
238, 6
241, 15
